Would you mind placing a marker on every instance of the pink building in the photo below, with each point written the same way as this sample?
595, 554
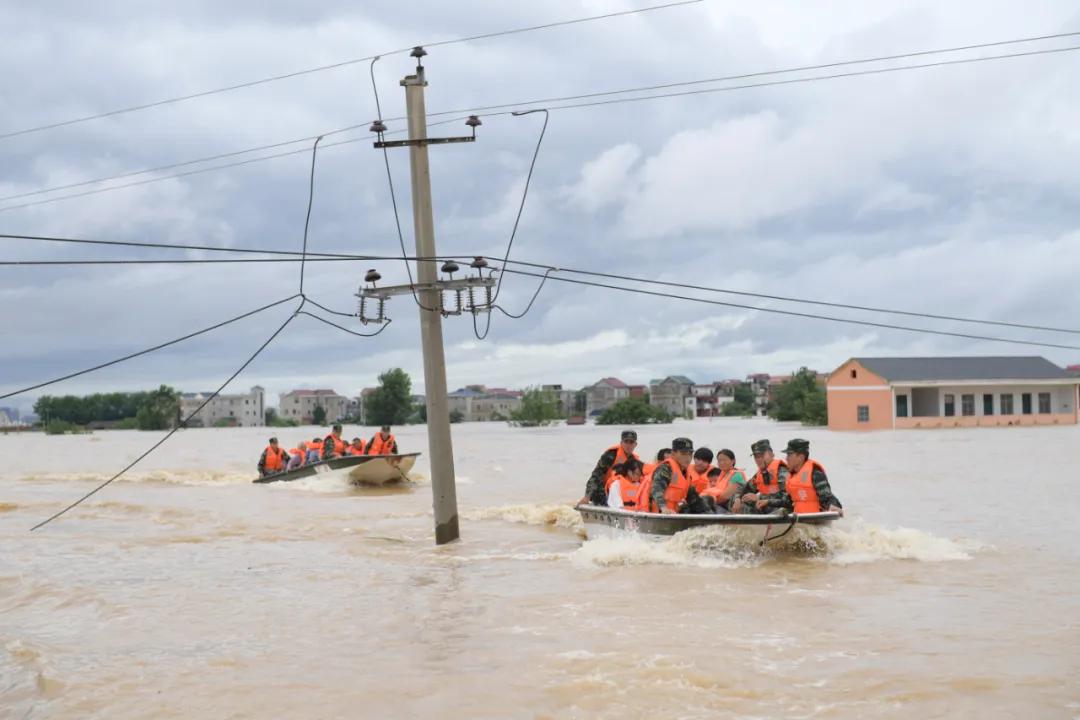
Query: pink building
885, 393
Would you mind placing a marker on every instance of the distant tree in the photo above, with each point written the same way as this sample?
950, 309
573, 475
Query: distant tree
159, 410
744, 394
736, 409
538, 408
391, 403
456, 416
800, 398
318, 415
633, 411
271, 417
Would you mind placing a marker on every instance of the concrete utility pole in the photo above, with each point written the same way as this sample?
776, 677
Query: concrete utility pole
440, 447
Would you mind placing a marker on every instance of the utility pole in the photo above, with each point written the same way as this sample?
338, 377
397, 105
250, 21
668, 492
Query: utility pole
440, 446
428, 291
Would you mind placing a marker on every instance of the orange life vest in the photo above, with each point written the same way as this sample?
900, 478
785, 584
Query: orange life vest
719, 485
676, 490
628, 490
800, 486
773, 486
380, 445
315, 445
700, 480
620, 458
353, 450
338, 443
275, 459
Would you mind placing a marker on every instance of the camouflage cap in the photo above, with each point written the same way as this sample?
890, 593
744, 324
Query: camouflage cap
760, 446
798, 446
629, 435
682, 444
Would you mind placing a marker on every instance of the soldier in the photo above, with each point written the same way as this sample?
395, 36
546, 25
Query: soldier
273, 459
671, 490
333, 445
767, 487
807, 486
597, 486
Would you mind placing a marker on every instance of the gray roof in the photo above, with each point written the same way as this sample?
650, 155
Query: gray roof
964, 368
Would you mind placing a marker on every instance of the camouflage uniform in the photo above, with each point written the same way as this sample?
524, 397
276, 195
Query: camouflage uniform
328, 447
661, 478
594, 488
817, 477
779, 500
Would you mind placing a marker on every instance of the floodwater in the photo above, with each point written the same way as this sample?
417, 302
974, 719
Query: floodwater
182, 591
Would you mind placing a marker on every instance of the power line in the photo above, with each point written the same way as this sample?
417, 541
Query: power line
343, 329
181, 424
307, 218
565, 98
794, 313
343, 63
147, 350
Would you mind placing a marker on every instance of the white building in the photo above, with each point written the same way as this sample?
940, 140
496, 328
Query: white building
246, 410
603, 394
300, 405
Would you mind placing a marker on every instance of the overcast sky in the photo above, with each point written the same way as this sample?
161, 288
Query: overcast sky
950, 190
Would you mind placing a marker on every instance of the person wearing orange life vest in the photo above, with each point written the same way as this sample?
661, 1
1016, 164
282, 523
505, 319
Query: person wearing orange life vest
624, 488
382, 443
600, 479
314, 451
807, 485
767, 492
698, 472
296, 456
273, 459
356, 447
726, 482
661, 456
670, 490
333, 445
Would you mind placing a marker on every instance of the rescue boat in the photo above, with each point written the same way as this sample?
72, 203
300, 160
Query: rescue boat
616, 522
356, 469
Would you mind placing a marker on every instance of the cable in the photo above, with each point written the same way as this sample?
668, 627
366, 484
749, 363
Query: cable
348, 257
307, 218
794, 313
147, 350
320, 68
62, 263
802, 301
517, 221
182, 423
343, 329
332, 312
531, 301
520, 105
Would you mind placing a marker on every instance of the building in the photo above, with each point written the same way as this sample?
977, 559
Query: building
568, 399
639, 391
300, 405
675, 393
1073, 370
881, 393
477, 403
5, 420
245, 410
604, 393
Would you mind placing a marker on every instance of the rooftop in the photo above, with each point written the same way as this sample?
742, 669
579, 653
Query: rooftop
613, 382
964, 368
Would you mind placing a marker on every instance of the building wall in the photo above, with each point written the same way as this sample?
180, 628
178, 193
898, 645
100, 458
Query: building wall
1063, 406
302, 407
843, 405
245, 410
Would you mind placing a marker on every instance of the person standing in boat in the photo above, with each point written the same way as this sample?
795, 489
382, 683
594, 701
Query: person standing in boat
333, 445
670, 490
625, 486
726, 482
807, 485
382, 443
273, 459
596, 487
768, 486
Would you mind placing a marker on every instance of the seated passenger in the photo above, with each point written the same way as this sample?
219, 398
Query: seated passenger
383, 443
356, 447
726, 482
670, 491
660, 457
314, 451
333, 445
624, 488
807, 486
273, 459
296, 456
767, 489
698, 472
597, 485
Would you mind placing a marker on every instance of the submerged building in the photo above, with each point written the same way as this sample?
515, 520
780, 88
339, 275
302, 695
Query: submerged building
939, 392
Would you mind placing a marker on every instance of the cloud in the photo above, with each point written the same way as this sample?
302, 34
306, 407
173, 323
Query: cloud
605, 179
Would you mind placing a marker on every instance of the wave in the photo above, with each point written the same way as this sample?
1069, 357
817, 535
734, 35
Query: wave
173, 477
564, 516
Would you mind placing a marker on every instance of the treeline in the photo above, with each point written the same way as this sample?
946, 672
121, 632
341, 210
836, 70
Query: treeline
150, 410
801, 398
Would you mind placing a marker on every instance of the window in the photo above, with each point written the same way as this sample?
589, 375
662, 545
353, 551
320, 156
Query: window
864, 413
988, 403
950, 405
967, 405
1025, 403
854, 374
1006, 404
901, 406
1044, 403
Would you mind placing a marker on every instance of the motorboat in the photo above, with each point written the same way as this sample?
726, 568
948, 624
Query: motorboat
356, 469
607, 522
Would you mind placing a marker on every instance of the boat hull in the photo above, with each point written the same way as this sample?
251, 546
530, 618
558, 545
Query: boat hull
356, 469
607, 522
